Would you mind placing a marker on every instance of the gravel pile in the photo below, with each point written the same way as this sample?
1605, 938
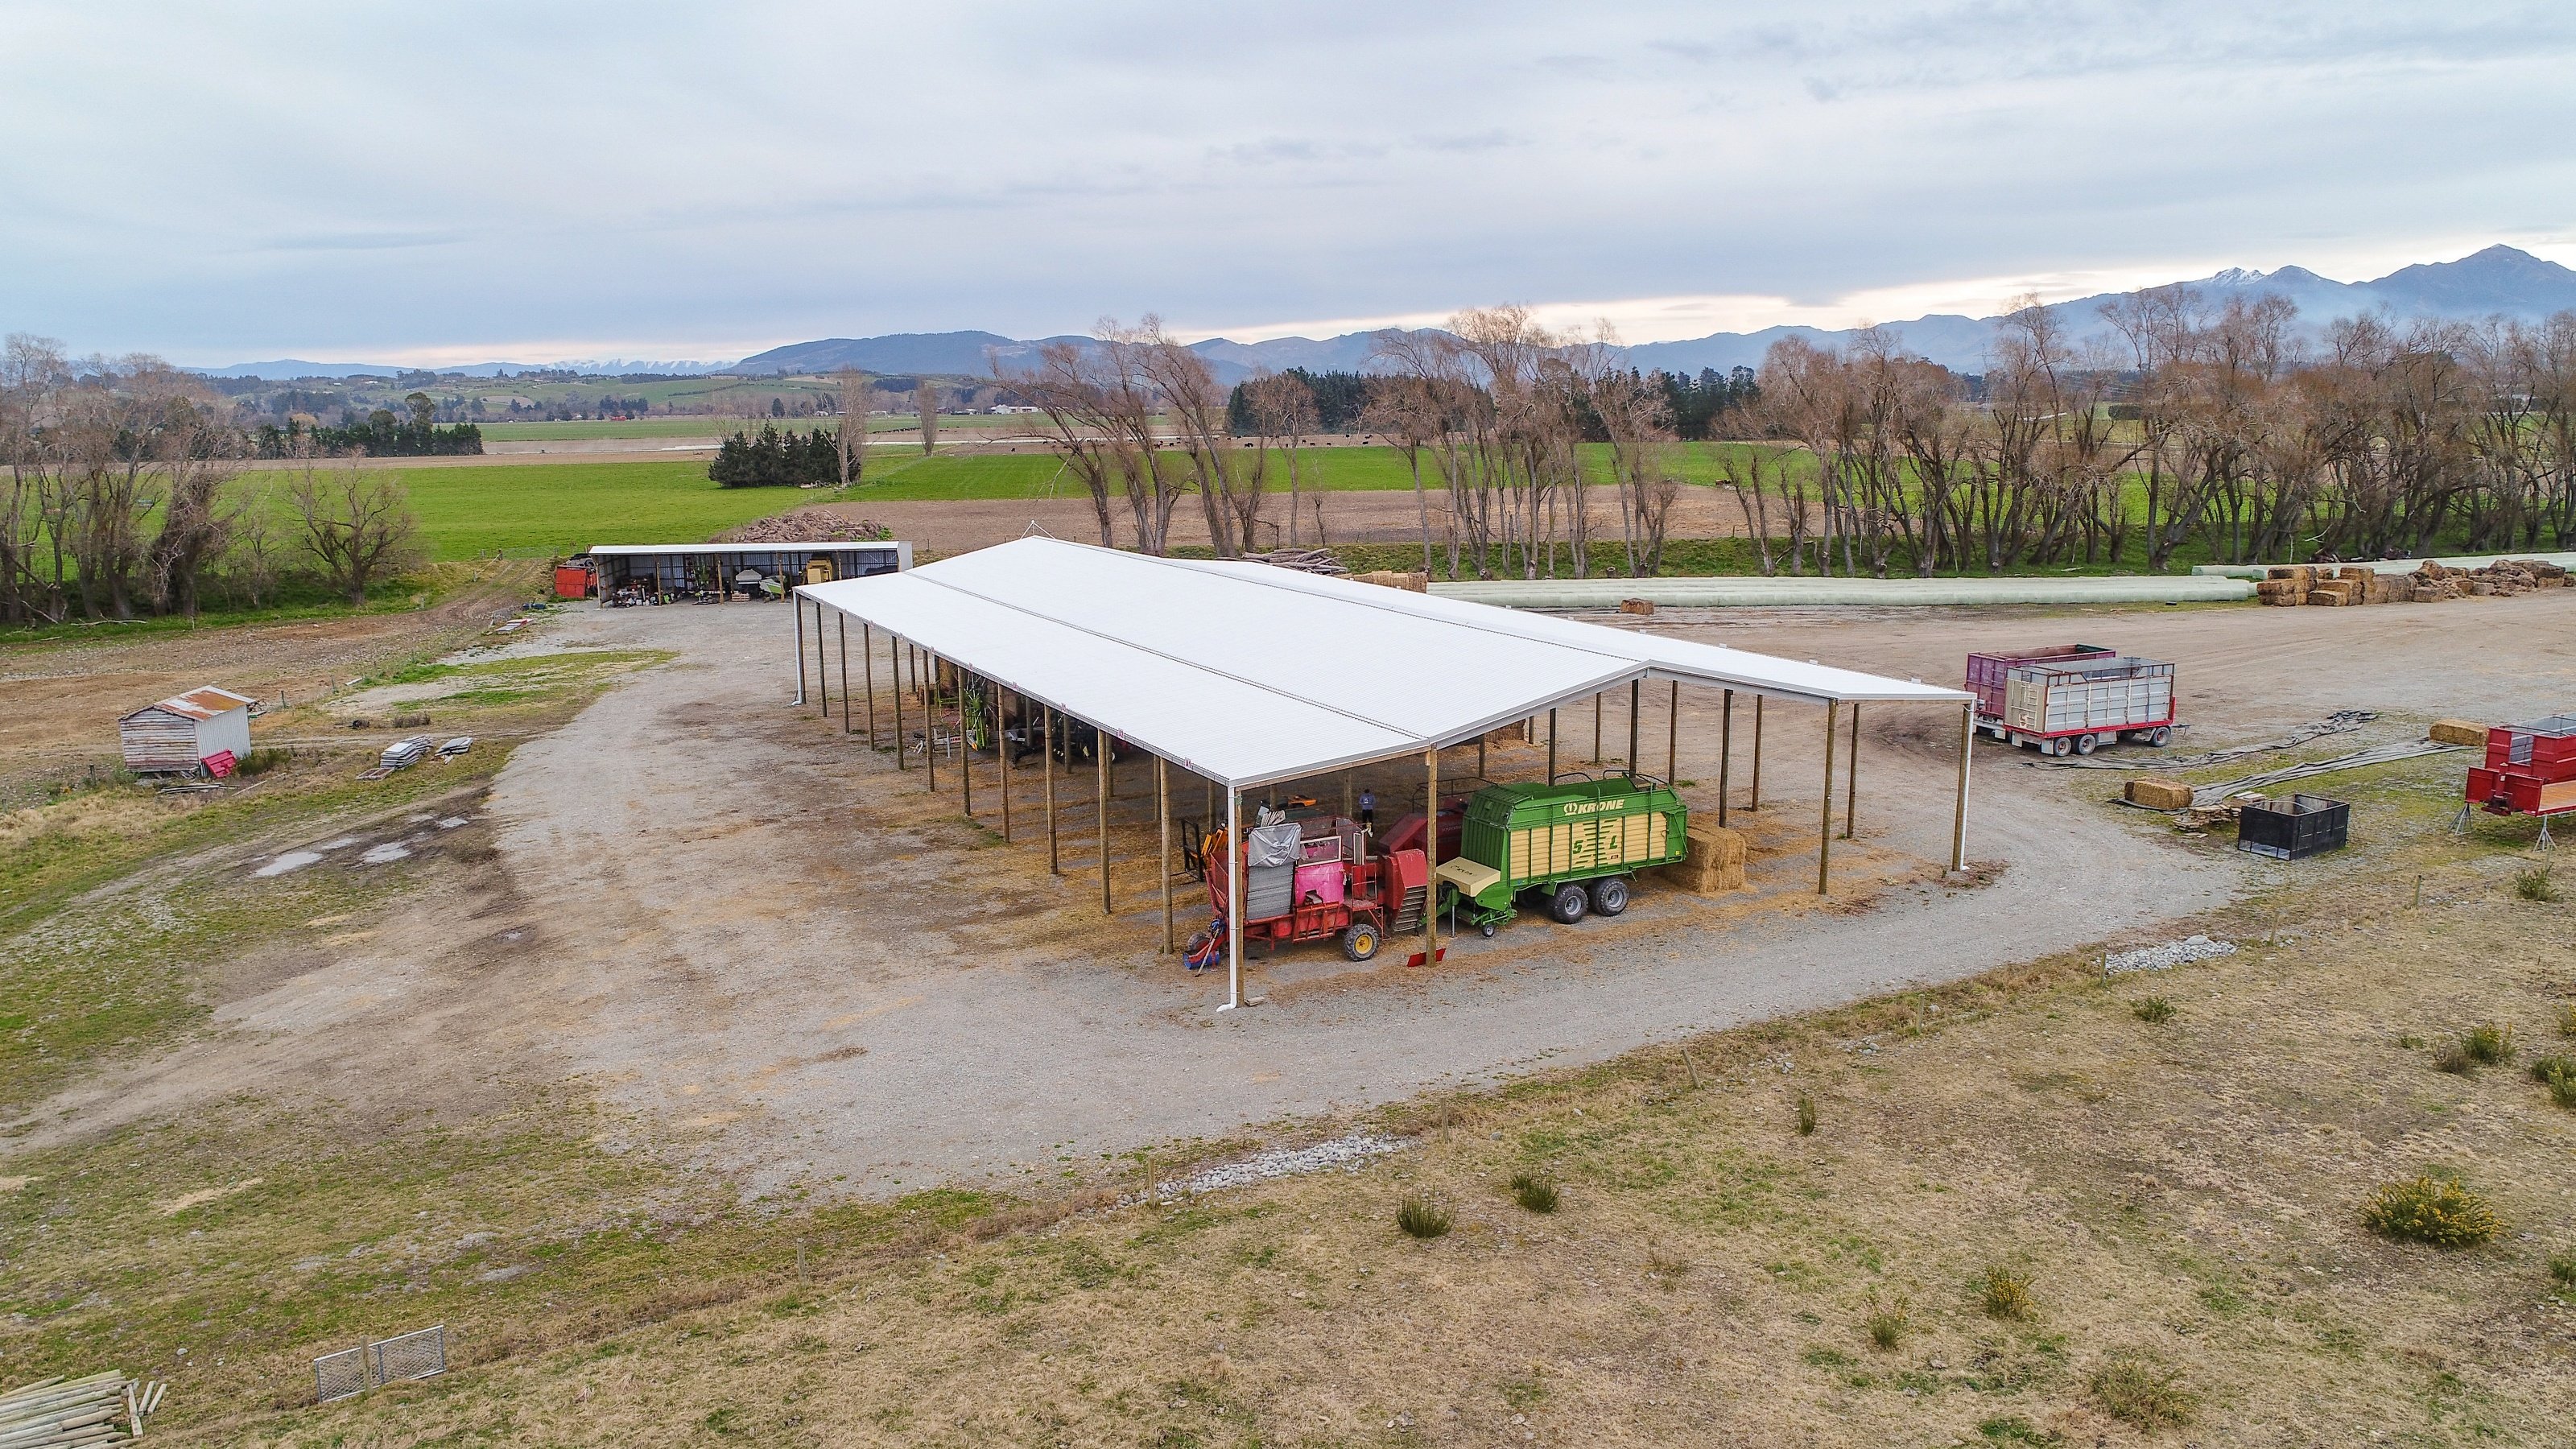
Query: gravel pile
1346, 1153
2168, 956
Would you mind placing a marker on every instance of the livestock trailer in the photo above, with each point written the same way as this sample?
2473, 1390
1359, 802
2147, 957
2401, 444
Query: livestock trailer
2074, 705
2530, 769
1988, 672
1574, 845
177, 735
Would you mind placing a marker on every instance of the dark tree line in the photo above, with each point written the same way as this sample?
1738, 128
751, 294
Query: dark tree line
1695, 407
772, 459
382, 433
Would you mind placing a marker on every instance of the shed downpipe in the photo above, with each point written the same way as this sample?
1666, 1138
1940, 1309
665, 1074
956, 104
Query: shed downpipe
1233, 899
1046, 767
822, 663
965, 755
1851, 779
1725, 753
1753, 796
1825, 832
841, 626
1551, 746
1636, 694
800, 652
1002, 752
894, 672
1672, 735
1100, 756
929, 717
1959, 814
1431, 864
1163, 857
868, 677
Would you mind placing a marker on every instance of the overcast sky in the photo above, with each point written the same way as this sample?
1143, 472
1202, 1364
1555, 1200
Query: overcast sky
465, 182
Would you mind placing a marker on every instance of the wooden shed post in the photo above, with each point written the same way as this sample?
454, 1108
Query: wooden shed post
894, 671
1753, 796
1851, 778
1959, 813
1725, 753
1551, 745
929, 717
1046, 767
1163, 857
1101, 757
1636, 693
841, 625
965, 755
868, 677
1673, 736
1596, 727
1002, 752
822, 674
800, 651
1825, 832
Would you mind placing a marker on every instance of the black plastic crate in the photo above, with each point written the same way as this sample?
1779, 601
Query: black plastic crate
2305, 825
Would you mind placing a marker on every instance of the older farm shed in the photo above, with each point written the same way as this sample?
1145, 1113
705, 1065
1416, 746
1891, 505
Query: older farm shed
182, 732
1253, 677
724, 569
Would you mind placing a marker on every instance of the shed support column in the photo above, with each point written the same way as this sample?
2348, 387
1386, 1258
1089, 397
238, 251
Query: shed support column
1002, 752
1673, 737
1233, 900
1046, 767
1959, 813
1725, 753
1753, 796
894, 672
868, 677
1596, 729
1101, 756
1480, 757
1350, 805
929, 718
965, 756
822, 674
1636, 693
1551, 746
841, 626
1163, 856
1431, 864
800, 651
1825, 832
1851, 779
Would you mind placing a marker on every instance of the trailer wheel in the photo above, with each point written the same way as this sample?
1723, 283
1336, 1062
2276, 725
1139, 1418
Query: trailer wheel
1569, 904
1361, 941
1609, 897
2160, 736
2086, 744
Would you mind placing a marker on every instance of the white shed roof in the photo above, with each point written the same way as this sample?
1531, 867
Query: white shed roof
1249, 674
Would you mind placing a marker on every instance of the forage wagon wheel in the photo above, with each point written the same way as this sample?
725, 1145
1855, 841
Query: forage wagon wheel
1361, 941
2086, 744
2160, 736
1569, 904
1486, 929
1609, 897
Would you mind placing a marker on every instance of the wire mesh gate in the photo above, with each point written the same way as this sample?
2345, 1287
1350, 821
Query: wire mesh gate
419, 1354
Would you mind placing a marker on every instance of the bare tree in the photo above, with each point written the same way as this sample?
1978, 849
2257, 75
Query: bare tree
357, 525
855, 391
1283, 410
925, 402
1406, 410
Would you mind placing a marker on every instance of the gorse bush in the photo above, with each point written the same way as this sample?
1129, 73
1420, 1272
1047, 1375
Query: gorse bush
2152, 1009
2488, 1044
1533, 1192
2558, 1074
2140, 1392
2562, 1269
2454, 1058
1420, 1217
2433, 1210
2534, 884
2567, 1019
2004, 1293
1885, 1327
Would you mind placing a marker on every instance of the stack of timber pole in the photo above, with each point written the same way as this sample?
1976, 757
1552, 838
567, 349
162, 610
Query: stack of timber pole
100, 1409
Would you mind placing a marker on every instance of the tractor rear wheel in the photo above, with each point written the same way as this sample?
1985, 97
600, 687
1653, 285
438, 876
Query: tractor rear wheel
1609, 897
1569, 904
1361, 941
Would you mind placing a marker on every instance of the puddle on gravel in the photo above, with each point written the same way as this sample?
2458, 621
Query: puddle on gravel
291, 860
385, 854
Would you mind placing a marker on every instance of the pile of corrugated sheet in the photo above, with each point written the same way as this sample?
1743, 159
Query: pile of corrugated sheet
100, 1409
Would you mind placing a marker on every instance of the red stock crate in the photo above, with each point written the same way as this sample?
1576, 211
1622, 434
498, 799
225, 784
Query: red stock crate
1987, 673
2530, 769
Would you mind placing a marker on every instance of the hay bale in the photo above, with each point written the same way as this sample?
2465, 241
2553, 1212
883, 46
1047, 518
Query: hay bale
2457, 732
1393, 579
2281, 592
2360, 573
1713, 861
2390, 589
2158, 794
2331, 595
1636, 606
2304, 575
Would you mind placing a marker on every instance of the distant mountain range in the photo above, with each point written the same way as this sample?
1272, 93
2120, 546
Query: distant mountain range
286, 368
2500, 280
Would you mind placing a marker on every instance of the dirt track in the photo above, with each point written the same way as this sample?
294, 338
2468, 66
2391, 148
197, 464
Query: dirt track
735, 919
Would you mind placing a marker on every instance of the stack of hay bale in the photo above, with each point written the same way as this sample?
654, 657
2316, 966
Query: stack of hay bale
2342, 586
1713, 861
1394, 579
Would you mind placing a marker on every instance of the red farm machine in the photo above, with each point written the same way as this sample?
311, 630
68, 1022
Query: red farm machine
1317, 878
2530, 769
2073, 698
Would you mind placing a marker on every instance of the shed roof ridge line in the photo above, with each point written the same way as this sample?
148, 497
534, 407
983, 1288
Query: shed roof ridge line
1394, 729
1386, 608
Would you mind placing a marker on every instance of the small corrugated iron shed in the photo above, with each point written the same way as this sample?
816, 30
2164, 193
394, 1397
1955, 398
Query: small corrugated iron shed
181, 731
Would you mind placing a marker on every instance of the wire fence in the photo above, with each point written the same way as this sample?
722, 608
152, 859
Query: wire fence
419, 1354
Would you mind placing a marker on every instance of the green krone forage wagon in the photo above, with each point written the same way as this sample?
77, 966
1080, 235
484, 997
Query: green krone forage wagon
1573, 846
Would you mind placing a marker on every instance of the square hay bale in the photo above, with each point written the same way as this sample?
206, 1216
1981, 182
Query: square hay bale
1393, 579
1636, 606
2390, 589
2360, 573
2281, 592
1713, 861
2158, 794
2457, 732
2301, 574
2333, 595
